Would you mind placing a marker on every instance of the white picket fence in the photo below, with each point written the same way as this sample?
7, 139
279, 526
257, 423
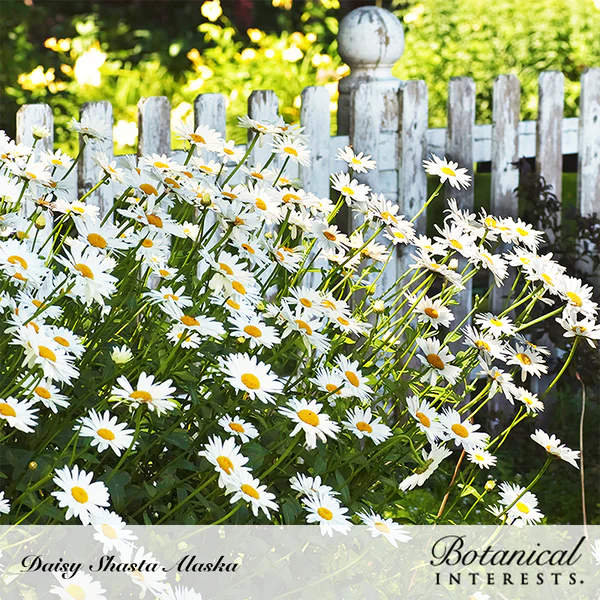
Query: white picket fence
388, 119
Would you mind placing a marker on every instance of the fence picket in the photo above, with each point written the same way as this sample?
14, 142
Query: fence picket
316, 120
459, 148
263, 105
209, 110
505, 152
154, 124
588, 178
548, 155
88, 171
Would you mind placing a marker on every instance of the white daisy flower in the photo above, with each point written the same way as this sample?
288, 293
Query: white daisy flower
244, 486
482, 458
437, 361
19, 413
238, 427
111, 531
553, 446
356, 385
584, 328
359, 163
81, 585
105, 432
328, 513
151, 579
448, 171
378, 526
528, 360
427, 418
42, 390
432, 459
156, 396
79, 495
524, 504
531, 401
121, 355
496, 326
255, 330
362, 424
292, 149
248, 374
485, 343
311, 485
309, 418
463, 432
331, 382
433, 312
4, 504
225, 456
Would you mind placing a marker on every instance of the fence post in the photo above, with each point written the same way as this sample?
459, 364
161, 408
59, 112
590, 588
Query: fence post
263, 105
154, 116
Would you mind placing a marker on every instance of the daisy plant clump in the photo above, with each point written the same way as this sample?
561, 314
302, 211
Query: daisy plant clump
216, 347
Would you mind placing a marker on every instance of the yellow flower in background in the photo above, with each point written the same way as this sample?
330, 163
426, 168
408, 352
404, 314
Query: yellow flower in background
255, 35
125, 133
248, 54
87, 67
292, 54
211, 10
415, 14
36, 79
285, 4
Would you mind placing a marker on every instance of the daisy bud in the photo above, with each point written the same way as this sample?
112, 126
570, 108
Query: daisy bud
453, 264
33, 465
206, 199
378, 306
40, 222
121, 355
370, 290
40, 132
241, 340
490, 484
261, 306
269, 235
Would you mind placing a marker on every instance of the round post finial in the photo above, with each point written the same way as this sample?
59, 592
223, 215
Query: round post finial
370, 41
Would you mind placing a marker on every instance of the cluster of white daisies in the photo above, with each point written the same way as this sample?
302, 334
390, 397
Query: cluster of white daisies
213, 264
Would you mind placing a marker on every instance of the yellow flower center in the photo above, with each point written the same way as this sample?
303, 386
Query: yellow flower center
306, 302
6, 410
161, 165
325, 513
85, 270
386, 216
197, 138
238, 287
226, 268
348, 191
141, 395
233, 304
42, 392
154, 220
382, 527
229, 195
248, 248
62, 341
251, 381
260, 204
330, 236
250, 491
225, 464
96, 240
290, 198
478, 457
290, 150
253, 331
46, 353
328, 304
171, 297
236, 427
432, 313
343, 321
496, 322
106, 434
76, 591
109, 531
189, 321
364, 426
482, 345
149, 189
456, 244
435, 361
309, 417
352, 377
460, 430
522, 507
18, 259
424, 419
79, 494
574, 298
304, 326
331, 387
548, 279
522, 231
523, 358
448, 171
147, 243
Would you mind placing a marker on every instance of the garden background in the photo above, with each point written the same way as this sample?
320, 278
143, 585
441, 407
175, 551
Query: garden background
67, 52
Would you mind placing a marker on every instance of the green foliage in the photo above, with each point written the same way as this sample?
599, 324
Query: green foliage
452, 38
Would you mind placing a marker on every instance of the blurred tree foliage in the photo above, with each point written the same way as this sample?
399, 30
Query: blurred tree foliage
66, 52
